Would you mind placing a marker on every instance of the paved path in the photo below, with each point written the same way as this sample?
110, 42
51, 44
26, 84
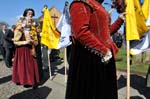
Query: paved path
55, 88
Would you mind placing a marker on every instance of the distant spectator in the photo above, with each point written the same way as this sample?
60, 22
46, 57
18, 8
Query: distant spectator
54, 55
2, 32
9, 46
118, 39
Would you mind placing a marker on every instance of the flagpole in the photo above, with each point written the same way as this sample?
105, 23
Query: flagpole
128, 69
65, 63
49, 64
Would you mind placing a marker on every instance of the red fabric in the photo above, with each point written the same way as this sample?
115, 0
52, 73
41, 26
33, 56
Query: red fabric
115, 26
25, 68
93, 28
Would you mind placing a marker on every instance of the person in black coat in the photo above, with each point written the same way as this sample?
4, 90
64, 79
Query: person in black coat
2, 32
9, 46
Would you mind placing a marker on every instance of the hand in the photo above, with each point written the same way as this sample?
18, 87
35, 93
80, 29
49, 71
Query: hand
122, 16
31, 41
107, 57
26, 42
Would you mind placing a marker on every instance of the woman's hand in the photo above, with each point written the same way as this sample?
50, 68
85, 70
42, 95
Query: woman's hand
107, 57
122, 16
28, 42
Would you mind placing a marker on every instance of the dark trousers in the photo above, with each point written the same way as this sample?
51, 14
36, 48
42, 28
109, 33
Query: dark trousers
68, 53
2, 49
39, 60
54, 55
8, 56
45, 57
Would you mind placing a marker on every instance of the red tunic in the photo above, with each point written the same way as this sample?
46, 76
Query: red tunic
88, 76
93, 29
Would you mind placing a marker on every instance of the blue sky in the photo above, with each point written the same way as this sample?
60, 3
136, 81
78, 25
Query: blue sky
10, 10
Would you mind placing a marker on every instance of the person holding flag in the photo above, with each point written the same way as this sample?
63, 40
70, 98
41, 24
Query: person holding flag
92, 70
49, 37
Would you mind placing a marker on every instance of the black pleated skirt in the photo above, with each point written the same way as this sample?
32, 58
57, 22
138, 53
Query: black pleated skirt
88, 77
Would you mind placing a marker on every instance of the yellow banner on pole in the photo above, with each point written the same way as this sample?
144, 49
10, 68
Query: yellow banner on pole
50, 37
135, 20
146, 8
141, 21
131, 27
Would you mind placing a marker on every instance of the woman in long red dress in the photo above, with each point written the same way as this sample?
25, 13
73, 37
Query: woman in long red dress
25, 67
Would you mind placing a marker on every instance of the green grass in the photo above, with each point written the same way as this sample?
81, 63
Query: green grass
62, 53
122, 65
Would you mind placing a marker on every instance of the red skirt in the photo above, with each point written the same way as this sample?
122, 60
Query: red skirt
25, 67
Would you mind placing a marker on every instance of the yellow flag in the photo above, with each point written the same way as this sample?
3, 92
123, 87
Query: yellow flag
131, 25
50, 37
135, 20
141, 23
146, 8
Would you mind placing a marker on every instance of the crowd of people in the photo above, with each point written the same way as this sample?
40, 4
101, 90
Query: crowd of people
92, 70
91, 57
6, 44
22, 50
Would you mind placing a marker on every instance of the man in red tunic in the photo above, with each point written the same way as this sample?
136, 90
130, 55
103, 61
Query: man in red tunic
92, 70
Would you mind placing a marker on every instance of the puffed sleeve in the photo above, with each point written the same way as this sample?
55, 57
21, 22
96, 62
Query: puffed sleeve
80, 17
17, 37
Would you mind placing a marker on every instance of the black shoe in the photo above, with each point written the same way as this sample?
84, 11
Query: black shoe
18, 84
8, 66
27, 86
